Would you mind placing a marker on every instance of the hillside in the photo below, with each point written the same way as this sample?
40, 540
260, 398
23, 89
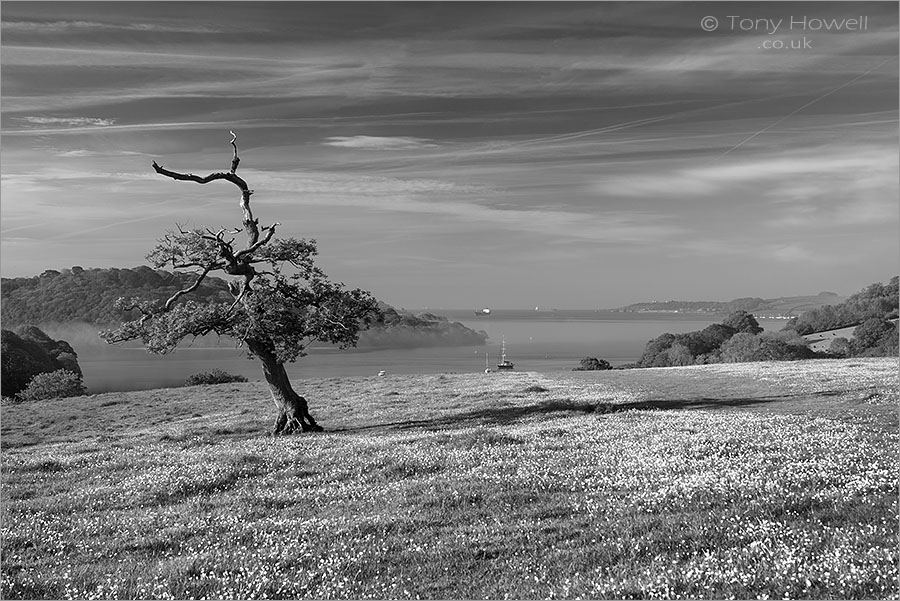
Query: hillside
767, 480
29, 352
785, 306
88, 296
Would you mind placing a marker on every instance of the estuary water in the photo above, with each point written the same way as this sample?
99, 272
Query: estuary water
541, 341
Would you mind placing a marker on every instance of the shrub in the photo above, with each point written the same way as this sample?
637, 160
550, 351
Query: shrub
780, 346
536, 388
740, 347
840, 347
593, 364
679, 355
216, 376
53, 385
741, 321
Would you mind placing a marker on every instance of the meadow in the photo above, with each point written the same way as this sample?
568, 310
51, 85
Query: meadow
762, 480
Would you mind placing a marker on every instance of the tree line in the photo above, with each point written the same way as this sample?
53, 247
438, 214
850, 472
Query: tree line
737, 339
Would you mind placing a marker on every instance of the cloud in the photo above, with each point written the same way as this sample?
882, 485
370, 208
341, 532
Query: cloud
70, 121
791, 253
379, 142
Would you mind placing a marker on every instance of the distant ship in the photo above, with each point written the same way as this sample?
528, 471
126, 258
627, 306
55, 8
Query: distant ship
484, 311
504, 364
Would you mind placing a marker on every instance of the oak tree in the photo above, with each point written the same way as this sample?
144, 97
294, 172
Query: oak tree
281, 301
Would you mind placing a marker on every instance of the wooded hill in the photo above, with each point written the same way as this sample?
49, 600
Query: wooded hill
80, 295
88, 295
875, 301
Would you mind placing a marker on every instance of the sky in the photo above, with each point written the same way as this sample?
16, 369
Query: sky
512, 154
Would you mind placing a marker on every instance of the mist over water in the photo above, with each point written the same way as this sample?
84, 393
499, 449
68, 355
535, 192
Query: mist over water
535, 341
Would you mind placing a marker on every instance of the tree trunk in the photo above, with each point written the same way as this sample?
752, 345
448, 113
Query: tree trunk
293, 412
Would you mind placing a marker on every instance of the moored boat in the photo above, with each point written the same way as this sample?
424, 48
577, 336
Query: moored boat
504, 364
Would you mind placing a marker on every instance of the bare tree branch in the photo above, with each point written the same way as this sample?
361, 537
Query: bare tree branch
190, 288
229, 176
252, 248
236, 160
251, 225
239, 297
225, 248
145, 315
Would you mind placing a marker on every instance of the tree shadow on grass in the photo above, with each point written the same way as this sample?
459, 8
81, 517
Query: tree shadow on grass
507, 415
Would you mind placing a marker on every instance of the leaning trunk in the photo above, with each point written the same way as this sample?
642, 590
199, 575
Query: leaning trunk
293, 412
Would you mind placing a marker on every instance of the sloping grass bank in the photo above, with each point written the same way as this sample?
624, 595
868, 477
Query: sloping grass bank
755, 480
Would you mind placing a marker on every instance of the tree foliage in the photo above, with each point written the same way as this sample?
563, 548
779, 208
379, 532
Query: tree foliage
284, 308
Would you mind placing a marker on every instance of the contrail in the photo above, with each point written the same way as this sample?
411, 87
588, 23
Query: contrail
105, 226
797, 110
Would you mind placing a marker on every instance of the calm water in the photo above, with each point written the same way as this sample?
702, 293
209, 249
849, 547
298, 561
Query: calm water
535, 341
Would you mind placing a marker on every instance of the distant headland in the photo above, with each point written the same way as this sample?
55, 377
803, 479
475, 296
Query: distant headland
784, 307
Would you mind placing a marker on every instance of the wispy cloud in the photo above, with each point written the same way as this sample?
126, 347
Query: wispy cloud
466, 205
805, 172
83, 153
379, 142
70, 121
568, 134
34, 26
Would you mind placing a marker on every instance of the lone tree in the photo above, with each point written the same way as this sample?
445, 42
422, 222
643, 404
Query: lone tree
282, 301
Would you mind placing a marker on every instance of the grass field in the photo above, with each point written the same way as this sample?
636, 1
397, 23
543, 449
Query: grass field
767, 480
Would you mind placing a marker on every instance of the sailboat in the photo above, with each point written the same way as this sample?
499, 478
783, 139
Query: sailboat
504, 364
487, 368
